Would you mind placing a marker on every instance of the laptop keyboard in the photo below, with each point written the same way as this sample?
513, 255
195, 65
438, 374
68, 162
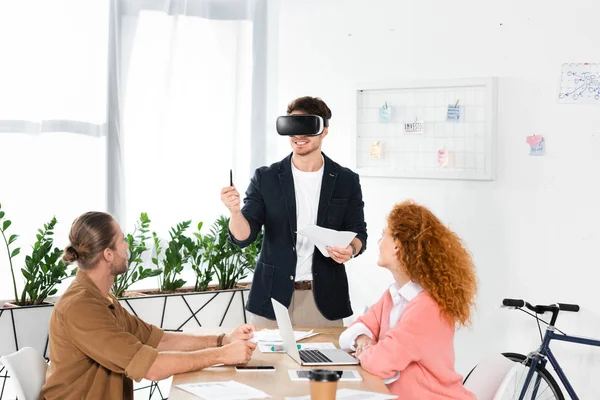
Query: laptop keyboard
313, 356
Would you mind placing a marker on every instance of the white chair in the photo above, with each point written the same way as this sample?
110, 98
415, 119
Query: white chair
27, 371
488, 380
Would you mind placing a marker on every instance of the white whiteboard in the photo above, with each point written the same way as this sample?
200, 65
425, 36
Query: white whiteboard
470, 143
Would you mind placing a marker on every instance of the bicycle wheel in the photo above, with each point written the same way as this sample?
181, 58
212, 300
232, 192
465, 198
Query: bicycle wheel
542, 386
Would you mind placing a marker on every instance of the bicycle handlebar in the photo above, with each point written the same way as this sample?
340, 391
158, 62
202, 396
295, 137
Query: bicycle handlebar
513, 303
540, 309
568, 307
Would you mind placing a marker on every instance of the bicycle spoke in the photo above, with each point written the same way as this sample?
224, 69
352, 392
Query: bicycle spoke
538, 385
542, 392
519, 385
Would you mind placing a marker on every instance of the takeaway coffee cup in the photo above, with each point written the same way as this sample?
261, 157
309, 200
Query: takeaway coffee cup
323, 384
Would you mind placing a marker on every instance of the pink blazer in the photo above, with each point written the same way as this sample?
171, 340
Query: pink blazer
420, 347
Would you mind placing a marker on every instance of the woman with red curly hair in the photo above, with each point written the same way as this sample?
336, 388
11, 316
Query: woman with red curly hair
407, 337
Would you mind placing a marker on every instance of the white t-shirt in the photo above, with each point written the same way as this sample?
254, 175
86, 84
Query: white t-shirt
307, 186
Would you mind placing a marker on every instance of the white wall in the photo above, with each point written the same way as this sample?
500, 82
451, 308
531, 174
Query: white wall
533, 231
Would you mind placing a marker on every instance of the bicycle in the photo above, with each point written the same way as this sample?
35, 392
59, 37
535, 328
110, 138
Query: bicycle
538, 381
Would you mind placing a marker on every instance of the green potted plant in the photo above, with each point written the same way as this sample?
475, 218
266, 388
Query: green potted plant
230, 263
209, 255
137, 247
43, 269
4, 225
197, 251
174, 258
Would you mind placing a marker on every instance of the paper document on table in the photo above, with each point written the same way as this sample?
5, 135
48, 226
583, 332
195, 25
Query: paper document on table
349, 394
226, 390
277, 347
273, 336
323, 237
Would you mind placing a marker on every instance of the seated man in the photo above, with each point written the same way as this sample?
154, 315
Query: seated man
97, 347
407, 337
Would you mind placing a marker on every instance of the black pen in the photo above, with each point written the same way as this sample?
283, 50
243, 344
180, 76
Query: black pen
230, 177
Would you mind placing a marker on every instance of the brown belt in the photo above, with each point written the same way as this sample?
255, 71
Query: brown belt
303, 285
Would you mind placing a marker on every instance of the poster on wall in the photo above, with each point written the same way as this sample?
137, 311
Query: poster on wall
580, 83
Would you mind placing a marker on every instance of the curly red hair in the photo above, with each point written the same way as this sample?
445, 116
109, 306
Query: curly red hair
435, 258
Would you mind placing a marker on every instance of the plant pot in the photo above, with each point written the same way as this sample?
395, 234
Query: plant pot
10, 304
131, 294
186, 309
24, 326
187, 290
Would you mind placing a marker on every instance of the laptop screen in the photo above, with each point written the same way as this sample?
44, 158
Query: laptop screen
286, 330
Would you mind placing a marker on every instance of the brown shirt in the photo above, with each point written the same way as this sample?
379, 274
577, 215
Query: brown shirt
96, 346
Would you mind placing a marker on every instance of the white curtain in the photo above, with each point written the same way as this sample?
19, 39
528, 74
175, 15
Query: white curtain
52, 117
127, 106
193, 101
187, 103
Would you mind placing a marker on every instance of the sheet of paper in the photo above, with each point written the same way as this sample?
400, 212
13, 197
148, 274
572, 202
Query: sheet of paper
442, 158
277, 347
348, 394
534, 140
414, 127
539, 149
226, 390
579, 83
375, 152
454, 112
385, 113
323, 237
273, 336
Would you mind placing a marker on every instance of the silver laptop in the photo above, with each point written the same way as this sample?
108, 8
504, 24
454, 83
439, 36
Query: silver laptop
307, 356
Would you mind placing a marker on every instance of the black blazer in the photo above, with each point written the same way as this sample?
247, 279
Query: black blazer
271, 202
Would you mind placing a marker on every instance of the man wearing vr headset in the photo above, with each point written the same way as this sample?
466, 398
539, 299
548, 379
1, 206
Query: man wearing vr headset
303, 189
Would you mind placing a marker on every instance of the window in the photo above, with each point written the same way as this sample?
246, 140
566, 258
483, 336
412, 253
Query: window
187, 116
52, 113
182, 83
54, 60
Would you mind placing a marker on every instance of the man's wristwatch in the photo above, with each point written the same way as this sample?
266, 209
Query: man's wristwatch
353, 250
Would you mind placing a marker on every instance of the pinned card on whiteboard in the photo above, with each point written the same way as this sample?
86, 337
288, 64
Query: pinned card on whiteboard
442, 158
414, 127
375, 152
385, 113
454, 112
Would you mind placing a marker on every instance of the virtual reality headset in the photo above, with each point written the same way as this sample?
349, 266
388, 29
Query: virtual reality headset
301, 125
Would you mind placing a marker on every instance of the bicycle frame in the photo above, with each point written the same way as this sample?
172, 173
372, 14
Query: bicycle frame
545, 352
